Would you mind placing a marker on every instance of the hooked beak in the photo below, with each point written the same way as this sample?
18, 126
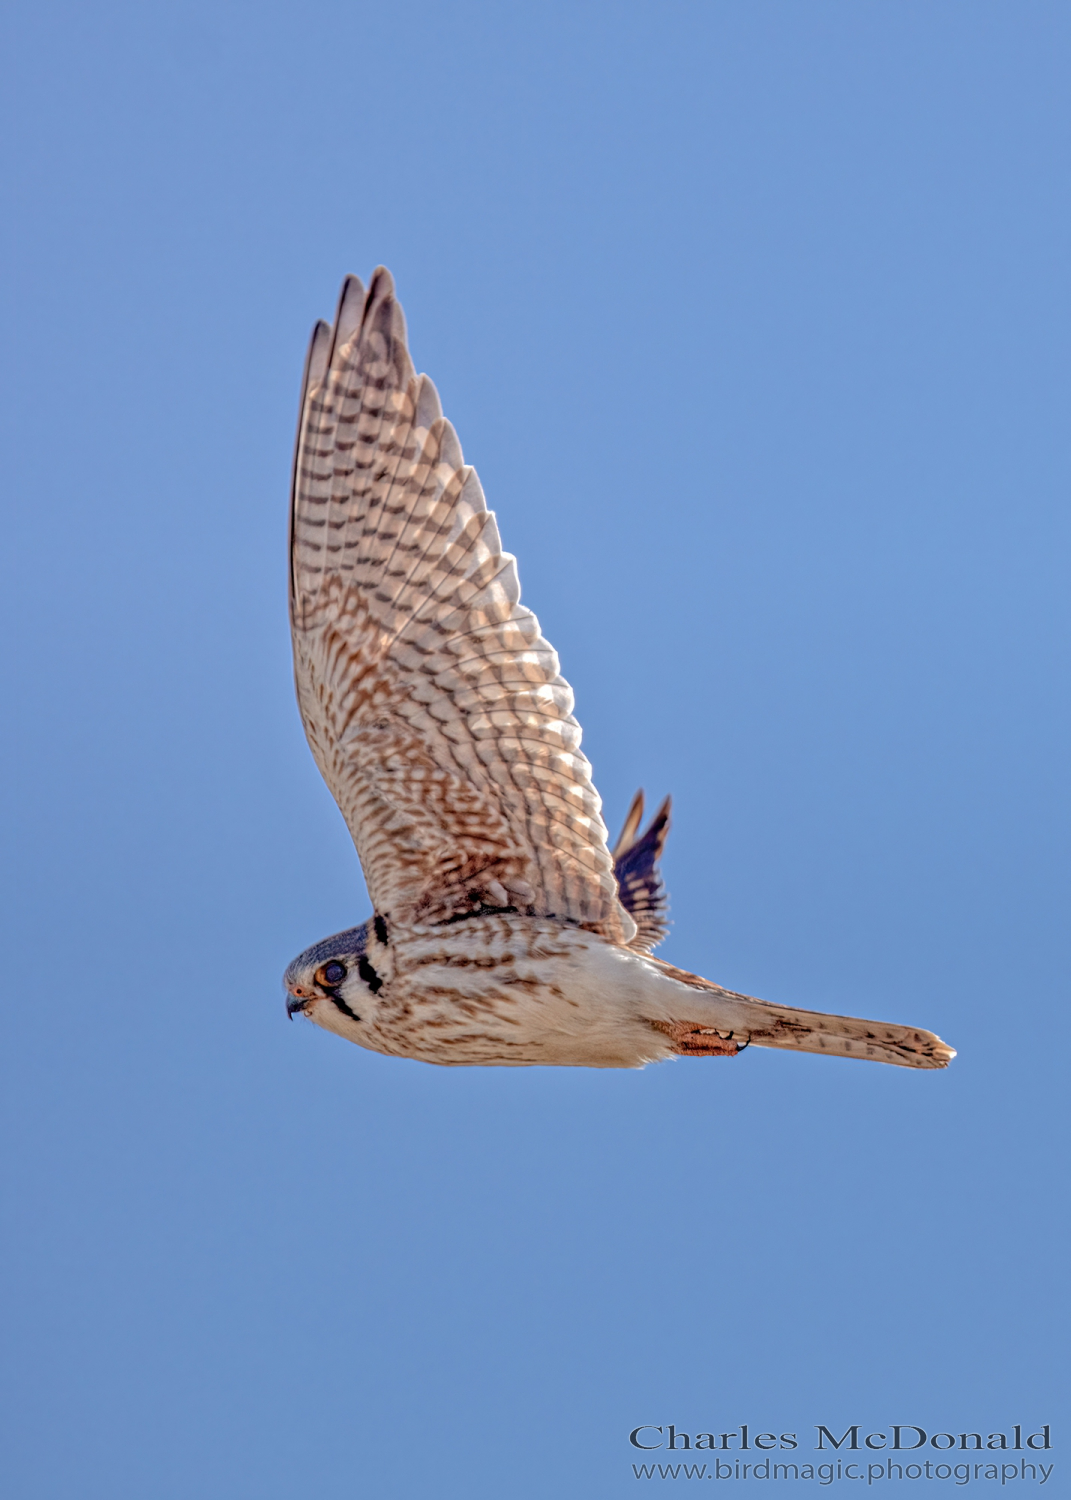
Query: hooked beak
296, 1002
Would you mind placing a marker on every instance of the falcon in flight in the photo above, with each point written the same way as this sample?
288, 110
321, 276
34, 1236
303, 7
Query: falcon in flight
505, 930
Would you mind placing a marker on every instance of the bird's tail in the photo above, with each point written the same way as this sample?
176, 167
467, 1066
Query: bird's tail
726, 1021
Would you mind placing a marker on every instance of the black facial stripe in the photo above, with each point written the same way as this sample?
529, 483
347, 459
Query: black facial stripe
380, 924
337, 999
369, 975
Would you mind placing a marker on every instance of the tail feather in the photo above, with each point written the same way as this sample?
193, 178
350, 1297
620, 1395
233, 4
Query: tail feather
744, 1021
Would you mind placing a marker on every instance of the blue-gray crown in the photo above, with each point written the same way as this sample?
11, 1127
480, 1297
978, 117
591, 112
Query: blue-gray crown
348, 944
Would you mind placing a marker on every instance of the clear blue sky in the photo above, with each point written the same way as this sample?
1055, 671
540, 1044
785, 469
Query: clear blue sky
754, 319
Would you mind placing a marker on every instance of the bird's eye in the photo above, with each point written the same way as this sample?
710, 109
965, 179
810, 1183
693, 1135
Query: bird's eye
331, 974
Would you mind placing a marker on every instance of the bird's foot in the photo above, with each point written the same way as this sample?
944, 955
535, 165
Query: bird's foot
692, 1040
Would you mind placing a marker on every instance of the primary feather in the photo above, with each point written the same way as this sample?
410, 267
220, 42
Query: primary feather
432, 703
639, 880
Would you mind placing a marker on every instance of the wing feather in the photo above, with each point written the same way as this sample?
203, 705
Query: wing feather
639, 879
434, 707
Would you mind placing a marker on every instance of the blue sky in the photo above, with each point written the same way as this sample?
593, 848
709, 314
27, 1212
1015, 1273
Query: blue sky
754, 319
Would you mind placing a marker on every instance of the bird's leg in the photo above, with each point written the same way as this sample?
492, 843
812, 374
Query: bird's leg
690, 1039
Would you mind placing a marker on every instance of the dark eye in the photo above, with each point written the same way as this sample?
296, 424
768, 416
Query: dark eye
331, 974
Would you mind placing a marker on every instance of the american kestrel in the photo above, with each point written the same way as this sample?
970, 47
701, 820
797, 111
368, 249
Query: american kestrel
505, 930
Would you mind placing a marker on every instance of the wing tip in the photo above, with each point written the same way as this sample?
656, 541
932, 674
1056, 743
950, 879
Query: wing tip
381, 285
383, 313
633, 818
654, 835
316, 360
348, 314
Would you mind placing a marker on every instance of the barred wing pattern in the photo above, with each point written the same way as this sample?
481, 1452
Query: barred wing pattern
639, 880
433, 706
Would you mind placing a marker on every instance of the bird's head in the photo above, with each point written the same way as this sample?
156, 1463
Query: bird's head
338, 976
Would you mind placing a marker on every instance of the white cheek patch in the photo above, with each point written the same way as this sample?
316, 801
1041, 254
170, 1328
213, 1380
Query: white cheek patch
326, 1014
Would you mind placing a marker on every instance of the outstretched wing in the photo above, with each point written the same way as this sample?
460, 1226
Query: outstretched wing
639, 880
433, 705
